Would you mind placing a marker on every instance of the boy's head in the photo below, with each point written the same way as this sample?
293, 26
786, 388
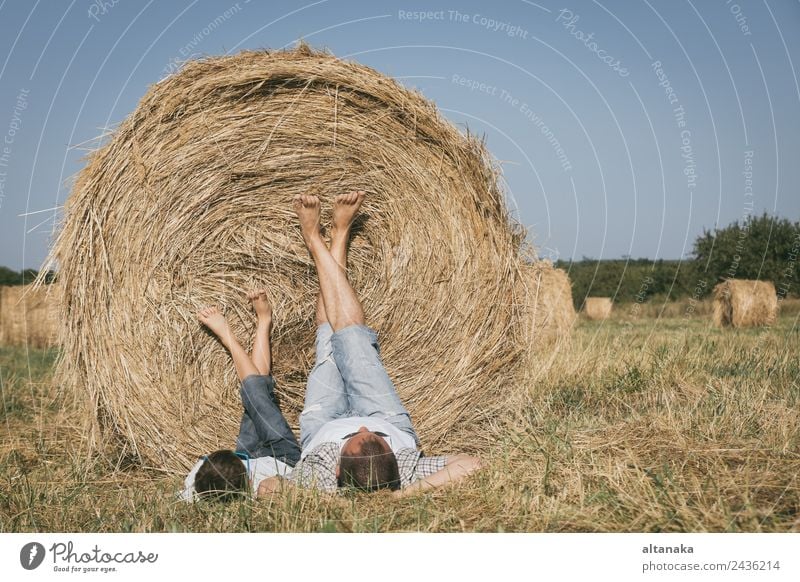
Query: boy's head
221, 477
368, 463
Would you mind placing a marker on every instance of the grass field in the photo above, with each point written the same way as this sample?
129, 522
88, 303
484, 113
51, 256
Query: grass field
639, 425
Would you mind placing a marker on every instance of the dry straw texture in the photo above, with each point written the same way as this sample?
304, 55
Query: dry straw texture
27, 316
548, 303
744, 303
597, 308
189, 204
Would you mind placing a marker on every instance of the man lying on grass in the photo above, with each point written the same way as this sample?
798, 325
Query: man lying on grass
354, 430
266, 446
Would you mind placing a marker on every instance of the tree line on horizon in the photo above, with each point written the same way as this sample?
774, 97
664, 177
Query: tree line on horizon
24, 277
763, 247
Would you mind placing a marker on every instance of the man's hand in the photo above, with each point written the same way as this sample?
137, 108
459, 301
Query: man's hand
269, 486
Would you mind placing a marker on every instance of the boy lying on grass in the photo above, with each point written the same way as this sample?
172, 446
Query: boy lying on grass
354, 430
266, 446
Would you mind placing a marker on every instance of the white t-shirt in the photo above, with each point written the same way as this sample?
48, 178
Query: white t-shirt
260, 469
335, 430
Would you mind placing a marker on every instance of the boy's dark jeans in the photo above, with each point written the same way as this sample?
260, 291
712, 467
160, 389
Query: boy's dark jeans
264, 431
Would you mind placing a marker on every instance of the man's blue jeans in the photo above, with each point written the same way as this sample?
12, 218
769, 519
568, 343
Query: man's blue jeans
348, 379
264, 431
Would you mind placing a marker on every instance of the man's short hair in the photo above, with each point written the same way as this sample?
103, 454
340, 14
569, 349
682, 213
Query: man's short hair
221, 477
369, 469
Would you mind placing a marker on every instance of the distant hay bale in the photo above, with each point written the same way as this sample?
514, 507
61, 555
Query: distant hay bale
597, 308
548, 303
27, 316
744, 303
189, 204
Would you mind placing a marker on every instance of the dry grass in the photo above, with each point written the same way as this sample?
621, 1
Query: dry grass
27, 317
743, 303
661, 307
648, 425
597, 308
685, 307
189, 204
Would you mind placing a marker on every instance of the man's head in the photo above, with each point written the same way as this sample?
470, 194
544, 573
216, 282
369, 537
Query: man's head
221, 477
367, 463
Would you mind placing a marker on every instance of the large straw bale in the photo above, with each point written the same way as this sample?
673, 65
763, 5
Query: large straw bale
27, 316
189, 203
744, 303
547, 294
597, 308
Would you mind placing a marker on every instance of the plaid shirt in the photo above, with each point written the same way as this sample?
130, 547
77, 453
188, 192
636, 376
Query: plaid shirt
318, 468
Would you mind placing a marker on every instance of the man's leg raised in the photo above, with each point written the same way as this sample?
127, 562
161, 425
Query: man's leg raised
342, 307
345, 210
369, 389
325, 397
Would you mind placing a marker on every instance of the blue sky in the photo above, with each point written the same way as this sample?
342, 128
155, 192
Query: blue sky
623, 127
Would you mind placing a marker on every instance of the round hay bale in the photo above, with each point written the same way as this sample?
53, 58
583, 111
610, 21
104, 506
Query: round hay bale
27, 316
597, 308
744, 303
547, 297
189, 204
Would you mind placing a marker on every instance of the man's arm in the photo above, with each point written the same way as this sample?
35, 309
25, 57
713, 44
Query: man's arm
315, 471
456, 469
272, 485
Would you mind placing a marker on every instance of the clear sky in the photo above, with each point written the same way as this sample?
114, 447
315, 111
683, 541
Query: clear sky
623, 127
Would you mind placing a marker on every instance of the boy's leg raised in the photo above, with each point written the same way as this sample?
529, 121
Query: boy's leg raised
213, 319
263, 431
262, 349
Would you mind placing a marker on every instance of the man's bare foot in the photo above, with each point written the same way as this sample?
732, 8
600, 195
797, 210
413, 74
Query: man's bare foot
213, 319
345, 209
307, 209
261, 304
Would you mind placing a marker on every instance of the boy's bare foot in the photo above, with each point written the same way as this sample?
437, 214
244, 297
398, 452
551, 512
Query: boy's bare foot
345, 209
261, 304
213, 319
307, 209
